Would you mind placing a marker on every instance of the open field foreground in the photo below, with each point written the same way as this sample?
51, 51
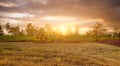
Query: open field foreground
58, 54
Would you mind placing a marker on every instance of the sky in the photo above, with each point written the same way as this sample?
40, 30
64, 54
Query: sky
57, 12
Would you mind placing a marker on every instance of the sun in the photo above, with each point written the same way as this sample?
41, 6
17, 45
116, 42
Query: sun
63, 30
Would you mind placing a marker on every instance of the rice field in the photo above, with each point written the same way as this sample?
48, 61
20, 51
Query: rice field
58, 54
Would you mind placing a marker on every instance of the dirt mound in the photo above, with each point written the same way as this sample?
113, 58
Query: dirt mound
112, 42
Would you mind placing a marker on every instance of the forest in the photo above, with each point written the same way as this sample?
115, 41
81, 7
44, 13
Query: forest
46, 33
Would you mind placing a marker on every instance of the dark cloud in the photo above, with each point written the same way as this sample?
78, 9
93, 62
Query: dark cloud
107, 10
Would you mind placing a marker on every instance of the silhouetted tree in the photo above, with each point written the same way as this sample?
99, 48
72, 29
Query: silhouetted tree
41, 33
22, 32
13, 30
69, 31
30, 30
98, 30
77, 30
116, 31
1, 31
49, 31
7, 26
48, 28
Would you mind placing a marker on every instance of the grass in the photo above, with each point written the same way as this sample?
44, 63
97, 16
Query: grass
58, 54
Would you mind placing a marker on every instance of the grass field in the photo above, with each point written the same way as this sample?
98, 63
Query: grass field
58, 54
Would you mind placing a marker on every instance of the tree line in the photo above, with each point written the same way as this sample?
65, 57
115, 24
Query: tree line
47, 32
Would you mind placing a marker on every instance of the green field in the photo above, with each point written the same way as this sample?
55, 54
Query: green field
58, 54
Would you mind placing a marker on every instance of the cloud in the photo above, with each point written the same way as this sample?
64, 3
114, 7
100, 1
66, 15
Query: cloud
106, 10
6, 20
7, 4
58, 18
44, 2
21, 15
16, 15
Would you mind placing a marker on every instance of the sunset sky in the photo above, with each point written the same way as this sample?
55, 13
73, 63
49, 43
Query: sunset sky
60, 12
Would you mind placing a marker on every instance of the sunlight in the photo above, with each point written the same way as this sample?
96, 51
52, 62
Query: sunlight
84, 30
63, 29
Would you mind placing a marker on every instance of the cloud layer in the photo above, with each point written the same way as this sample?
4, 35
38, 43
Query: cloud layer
108, 10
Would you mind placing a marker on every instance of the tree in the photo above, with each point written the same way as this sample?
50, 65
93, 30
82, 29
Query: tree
30, 30
98, 30
13, 30
48, 28
77, 30
116, 31
49, 32
22, 32
7, 26
41, 33
17, 30
1, 31
69, 31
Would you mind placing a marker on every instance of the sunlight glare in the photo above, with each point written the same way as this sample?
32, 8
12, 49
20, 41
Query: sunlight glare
84, 30
63, 29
